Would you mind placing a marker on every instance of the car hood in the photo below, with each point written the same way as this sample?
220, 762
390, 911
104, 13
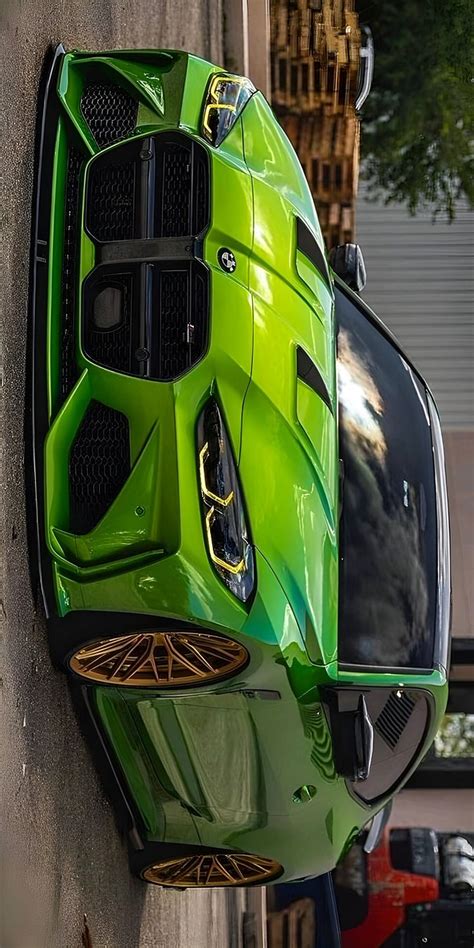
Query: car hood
271, 159
284, 436
288, 468
289, 455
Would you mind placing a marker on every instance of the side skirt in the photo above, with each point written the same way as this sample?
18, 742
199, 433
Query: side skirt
36, 407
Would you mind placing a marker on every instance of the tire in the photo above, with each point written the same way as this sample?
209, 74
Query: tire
187, 866
77, 628
140, 860
144, 652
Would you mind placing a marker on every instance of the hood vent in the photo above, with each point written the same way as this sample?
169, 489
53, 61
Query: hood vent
307, 243
308, 372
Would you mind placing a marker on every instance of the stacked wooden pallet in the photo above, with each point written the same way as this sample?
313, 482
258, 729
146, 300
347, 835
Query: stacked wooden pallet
293, 927
315, 60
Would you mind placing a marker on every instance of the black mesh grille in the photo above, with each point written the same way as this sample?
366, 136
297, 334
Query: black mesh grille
156, 187
99, 465
68, 371
171, 342
201, 196
394, 718
183, 320
199, 313
112, 201
176, 214
110, 112
152, 189
173, 318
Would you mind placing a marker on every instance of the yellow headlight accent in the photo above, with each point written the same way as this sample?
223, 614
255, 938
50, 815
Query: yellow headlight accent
213, 97
233, 80
214, 557
209, 109
222, 501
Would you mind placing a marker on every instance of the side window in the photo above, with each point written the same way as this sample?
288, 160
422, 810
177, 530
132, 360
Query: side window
388, 524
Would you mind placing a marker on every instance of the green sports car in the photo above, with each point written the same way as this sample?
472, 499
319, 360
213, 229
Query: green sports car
243, 550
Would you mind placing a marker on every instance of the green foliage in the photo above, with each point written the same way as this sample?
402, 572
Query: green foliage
455, 737
418, 119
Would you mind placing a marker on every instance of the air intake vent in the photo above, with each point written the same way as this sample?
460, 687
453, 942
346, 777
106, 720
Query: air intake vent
116, 332
99, 465
146, 303
308, 245
394, 718
151, 187
111, 201
176, 191
110, 112
69, 372
182, 326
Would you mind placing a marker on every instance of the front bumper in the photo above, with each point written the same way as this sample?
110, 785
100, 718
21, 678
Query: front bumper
115, 454
118, 494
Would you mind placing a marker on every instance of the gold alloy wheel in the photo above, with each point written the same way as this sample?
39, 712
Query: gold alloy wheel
159, 659
223, 869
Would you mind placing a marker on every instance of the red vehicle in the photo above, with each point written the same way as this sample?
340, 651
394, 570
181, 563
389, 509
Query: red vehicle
415, 889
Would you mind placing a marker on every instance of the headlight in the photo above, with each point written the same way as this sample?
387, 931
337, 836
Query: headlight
225, 99
222, 508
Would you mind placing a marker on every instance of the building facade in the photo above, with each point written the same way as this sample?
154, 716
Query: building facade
420, 281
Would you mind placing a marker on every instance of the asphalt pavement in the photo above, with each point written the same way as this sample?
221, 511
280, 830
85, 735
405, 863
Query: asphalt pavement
62, 855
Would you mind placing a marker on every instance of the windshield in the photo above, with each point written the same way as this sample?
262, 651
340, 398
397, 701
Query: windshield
388, 515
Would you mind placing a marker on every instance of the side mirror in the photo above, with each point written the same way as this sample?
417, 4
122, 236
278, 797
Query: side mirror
348, 262
366, 67
352, 733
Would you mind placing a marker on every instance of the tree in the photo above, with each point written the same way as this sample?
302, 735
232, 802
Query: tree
418, 120
455, 737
